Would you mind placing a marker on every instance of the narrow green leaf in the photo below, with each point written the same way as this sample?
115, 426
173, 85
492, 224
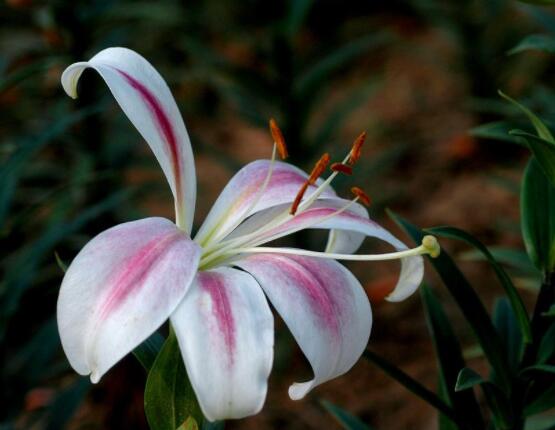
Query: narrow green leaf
450, 359
546, 349
543, 151
541, 403
344, 418
169, 397
497, 401
467, 378
550, 312
60, 263
514, 298
410, 384
470, 305
506, 325
537, 207
147, 351
444, 422
545, 368
541, 129
536, 42
213, 425
498, 130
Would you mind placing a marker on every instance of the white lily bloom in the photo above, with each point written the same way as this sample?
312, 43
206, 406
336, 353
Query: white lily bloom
130, 279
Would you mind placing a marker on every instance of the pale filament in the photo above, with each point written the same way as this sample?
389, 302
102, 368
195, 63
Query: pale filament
219, 248
429, 246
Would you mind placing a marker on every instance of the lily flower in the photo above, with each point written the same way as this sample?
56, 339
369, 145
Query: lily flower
214, 289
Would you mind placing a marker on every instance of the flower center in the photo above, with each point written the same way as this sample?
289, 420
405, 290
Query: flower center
218, 248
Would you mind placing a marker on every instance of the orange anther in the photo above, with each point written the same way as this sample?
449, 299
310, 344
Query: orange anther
342, 168
357, 148
277, 135
362, 196
319, 168
298, 199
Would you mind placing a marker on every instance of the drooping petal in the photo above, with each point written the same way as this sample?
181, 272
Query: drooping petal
323, 305
242, 189
147, 101
225, 331
120, 288
348, 230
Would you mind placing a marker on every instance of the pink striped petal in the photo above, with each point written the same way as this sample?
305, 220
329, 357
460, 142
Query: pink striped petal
147, 101
242, 189
323, 305
120, 288
347, 231
225, 331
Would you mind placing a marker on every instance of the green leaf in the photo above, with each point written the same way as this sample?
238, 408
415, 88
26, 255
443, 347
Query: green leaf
541, 403
536, 42
444, 422
497, 401
516, 259
546, 349
550, 312
410, 384
543, 150
147, 351
537, 207
450, 359
344, 418
514, 298
498, 130
540, 127
467, 378
506, 325
169, 397
470, 305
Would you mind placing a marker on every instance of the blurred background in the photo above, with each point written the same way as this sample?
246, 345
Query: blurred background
420, 76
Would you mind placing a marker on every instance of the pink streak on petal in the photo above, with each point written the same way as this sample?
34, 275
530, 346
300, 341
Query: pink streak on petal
214, 284
131, 275
163, 123
315, 286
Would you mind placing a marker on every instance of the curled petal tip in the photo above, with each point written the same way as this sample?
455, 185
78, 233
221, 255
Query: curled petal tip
431, 245
95, 377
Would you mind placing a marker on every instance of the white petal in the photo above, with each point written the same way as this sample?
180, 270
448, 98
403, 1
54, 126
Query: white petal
147, 101
323, 305
242, 189
348, 230
225, 331
120, 288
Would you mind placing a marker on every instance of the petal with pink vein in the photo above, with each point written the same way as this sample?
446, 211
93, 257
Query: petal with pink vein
120, 288
147, 101
243, 188
323, 305
347, 231
225, 331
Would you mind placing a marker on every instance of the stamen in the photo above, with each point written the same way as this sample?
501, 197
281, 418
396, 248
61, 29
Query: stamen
277, 135
342, 168
361, 195
429, 246
319, 168
298, 198
356, 151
